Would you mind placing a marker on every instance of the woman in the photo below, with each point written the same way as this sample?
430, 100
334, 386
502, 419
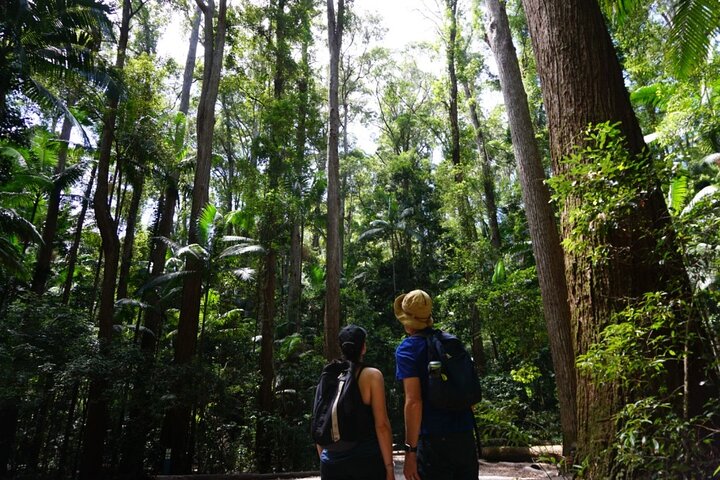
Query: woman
371, 457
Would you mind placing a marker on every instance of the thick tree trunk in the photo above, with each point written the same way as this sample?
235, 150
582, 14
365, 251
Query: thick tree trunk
582, 84
541, 219
185, 346
333, 260
44, 257
97, 414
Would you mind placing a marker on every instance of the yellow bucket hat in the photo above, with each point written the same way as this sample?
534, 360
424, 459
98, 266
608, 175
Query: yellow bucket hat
414, 309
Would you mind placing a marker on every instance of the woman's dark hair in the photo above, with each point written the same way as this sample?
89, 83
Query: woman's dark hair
352, 339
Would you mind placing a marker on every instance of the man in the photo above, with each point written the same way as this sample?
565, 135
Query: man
439, 443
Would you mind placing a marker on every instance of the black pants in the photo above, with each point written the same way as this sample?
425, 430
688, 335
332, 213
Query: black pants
448, 457
360, 468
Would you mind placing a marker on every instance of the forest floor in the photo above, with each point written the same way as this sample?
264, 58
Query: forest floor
500, 470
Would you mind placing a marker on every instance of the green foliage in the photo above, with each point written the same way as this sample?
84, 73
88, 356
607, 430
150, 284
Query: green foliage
601, 186
653, 440
638, 346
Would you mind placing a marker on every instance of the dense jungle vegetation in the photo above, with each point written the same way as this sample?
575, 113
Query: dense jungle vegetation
181, 242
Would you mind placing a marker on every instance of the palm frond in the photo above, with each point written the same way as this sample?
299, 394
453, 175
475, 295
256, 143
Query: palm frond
705, 192
130, 302
246, 274
618, 10
205, 223
10, 258
371, 233
193, 250
174, 246
677, 193
13, 224
35, 91
234, 238
163, 279
70, 176
694, 22
237, 250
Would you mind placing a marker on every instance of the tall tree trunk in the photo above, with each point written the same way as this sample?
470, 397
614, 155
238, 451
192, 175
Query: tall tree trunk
42, 267
467, 223
97, 413
268, 239
487, 173
229, 148
541, 219
333, 262
296, 242
129, 240
72, 254
582, 84
180, 415
190, 62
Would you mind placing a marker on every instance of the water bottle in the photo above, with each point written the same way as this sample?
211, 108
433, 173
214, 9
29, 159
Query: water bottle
434, 369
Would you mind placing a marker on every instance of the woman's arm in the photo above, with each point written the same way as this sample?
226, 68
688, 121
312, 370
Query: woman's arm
382, 423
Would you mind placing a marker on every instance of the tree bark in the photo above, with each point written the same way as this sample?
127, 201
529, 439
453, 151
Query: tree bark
97, 414
296, 241
541, 219
582, 84
129, 240
72, 254
190, 62
333, 260
487, 175
467, 223
44, 257
186, 343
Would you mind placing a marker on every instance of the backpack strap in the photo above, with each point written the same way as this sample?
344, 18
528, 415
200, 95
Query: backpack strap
429, 334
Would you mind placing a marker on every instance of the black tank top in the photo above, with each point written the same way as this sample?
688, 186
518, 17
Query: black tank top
365, 420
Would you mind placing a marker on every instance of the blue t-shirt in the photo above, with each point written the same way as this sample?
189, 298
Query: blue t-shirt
412, 360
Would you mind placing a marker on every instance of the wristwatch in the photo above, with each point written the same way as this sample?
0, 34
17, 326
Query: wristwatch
409, 449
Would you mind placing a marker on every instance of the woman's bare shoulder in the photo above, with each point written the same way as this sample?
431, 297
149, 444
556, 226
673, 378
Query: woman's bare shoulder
372, 373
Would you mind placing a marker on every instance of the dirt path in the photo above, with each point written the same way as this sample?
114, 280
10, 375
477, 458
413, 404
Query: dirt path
488, 471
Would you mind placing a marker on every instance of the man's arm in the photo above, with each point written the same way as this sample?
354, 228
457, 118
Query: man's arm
413, 418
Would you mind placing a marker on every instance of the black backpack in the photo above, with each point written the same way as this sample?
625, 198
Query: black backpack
338, 408
457, 386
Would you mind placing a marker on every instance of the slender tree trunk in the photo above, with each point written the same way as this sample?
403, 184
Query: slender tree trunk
190, 62
487, 173
186, 342
229, 148
138, 422
478, 349
64, 452
467, 223
129, 240
296, 243
42, 267
97, 415
541, 219
72, 254
333, 262
268, 239
582, 84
